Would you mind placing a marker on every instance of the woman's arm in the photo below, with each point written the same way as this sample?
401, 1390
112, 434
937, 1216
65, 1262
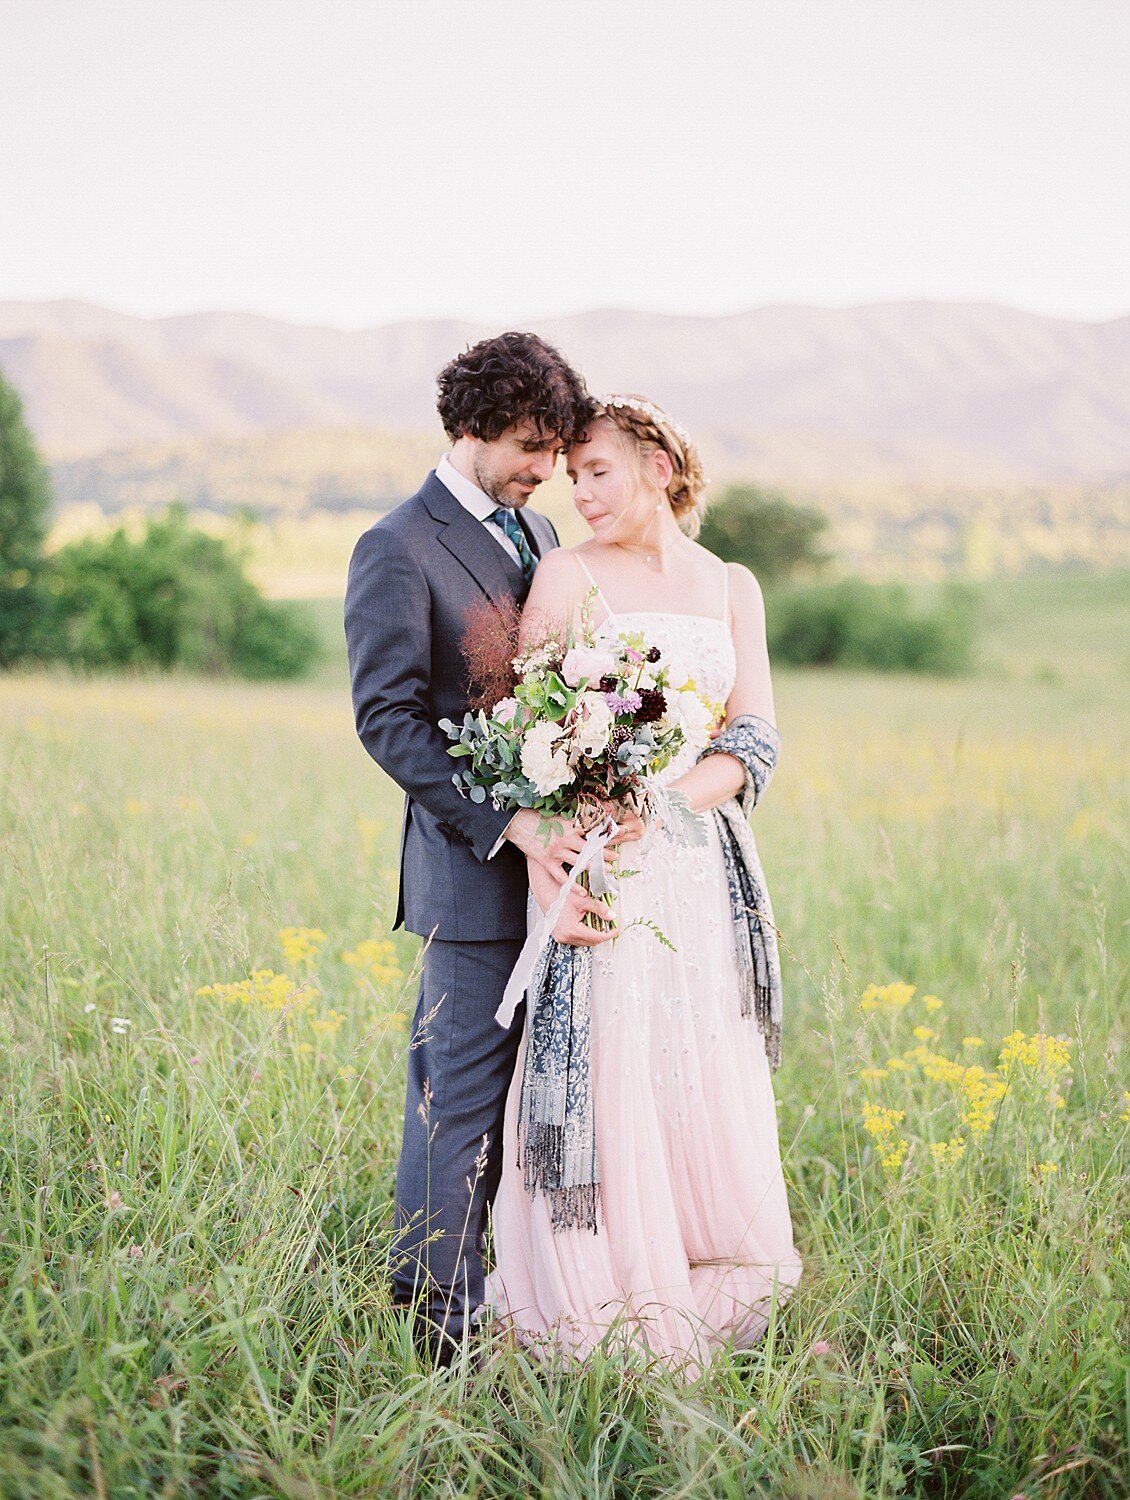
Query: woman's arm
720, 777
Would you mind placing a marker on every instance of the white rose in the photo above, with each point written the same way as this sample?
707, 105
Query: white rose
546, 766
678, 673
593, 726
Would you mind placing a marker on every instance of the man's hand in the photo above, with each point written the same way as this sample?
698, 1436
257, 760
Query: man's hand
557, 856
570, 928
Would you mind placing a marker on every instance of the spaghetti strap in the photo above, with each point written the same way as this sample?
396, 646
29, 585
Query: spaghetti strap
725, 593
588, 574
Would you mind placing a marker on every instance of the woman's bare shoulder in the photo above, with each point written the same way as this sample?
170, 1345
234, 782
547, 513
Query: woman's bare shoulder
558, 564
558, 578
744, 587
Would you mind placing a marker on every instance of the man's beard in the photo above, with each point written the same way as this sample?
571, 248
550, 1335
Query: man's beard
492, 487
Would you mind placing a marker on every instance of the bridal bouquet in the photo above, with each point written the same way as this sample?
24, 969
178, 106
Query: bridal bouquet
584, 729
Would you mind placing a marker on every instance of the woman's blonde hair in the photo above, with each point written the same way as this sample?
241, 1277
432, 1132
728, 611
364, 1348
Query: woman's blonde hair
645, 428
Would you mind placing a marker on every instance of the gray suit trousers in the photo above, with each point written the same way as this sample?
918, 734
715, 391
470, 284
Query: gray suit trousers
459, 1067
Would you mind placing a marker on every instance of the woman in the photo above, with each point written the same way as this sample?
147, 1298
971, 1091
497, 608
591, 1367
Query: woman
696, 1237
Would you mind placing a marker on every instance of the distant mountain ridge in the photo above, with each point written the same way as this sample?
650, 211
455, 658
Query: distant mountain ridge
894, 392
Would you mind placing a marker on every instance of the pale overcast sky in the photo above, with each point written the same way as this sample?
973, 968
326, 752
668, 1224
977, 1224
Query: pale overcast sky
358, 161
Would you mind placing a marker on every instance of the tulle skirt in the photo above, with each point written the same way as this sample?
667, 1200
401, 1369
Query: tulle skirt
695, 1242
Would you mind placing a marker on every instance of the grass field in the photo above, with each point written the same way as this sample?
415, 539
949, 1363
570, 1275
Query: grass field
196, 1187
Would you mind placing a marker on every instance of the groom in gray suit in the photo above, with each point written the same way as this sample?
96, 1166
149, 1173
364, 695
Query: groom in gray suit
509, 405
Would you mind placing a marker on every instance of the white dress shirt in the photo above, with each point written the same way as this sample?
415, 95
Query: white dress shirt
477, 501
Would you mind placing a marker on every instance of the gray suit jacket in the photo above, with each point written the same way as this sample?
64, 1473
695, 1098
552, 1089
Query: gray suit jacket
412, 578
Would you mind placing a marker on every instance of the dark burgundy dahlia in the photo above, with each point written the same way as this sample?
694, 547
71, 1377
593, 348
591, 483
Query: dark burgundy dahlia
653, 706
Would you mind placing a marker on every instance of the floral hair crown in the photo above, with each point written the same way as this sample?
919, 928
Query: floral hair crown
652, 412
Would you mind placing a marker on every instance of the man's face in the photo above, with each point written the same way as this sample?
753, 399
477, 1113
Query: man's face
510, 468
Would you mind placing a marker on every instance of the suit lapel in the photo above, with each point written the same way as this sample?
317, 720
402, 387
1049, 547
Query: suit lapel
469, 543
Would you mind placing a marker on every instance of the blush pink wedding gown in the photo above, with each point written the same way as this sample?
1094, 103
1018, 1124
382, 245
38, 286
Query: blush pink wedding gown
695, 1240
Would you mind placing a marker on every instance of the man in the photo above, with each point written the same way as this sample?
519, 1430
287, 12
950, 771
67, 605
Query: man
509, 405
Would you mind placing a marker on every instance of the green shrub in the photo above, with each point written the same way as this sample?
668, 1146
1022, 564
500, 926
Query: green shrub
176, 598
763, 529
853, 623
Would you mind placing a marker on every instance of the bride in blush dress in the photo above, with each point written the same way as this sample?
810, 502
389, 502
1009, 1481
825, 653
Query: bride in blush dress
696, 1241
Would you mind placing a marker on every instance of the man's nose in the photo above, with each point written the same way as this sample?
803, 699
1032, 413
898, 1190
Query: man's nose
543, 464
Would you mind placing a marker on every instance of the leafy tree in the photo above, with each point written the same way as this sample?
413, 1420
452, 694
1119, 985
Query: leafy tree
764, 530
176, 598
25, 503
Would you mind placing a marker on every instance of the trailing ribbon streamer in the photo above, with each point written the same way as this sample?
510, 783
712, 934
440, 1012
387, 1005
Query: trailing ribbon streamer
534, 946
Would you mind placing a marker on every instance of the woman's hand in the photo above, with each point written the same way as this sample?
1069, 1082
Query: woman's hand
570, 928
632, 827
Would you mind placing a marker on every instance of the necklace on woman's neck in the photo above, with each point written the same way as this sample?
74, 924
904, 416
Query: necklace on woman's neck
650, 552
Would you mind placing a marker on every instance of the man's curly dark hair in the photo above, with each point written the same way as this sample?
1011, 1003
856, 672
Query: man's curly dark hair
501, 381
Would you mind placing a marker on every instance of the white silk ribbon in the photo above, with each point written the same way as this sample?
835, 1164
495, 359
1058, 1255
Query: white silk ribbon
532, 949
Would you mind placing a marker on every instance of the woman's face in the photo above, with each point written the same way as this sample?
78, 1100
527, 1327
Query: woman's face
606, 489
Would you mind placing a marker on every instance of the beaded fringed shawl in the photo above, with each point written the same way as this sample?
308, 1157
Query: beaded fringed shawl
556, 1130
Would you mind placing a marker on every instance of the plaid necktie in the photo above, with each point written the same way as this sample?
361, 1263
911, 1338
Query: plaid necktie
505, 518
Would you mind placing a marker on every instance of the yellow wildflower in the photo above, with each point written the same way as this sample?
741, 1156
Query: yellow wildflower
870, 1075
1046, 1056
376, 961
948, 1151
348, 1071
886, 996
1125, 1115
1047, 1167
943, 1069
931, 1002
301, 944
983, 1091
924, 1033
265, 988
972, 1041
894, 1159
878, 1120
897, 1063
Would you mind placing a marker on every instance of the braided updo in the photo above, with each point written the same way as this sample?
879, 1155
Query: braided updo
644, 427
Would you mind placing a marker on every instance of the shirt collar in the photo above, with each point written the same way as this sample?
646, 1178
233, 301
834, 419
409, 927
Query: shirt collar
468, 494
